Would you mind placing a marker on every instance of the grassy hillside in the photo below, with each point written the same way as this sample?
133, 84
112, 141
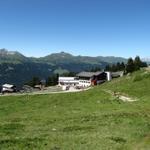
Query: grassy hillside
136, 84
90, 120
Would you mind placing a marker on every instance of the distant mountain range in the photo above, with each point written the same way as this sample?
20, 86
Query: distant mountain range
16, 68
147, 59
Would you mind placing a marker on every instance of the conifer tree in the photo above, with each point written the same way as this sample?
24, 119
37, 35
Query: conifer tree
130, 67
137, 63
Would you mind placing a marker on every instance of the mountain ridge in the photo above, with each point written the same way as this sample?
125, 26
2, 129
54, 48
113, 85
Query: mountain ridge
15, 68
6, 53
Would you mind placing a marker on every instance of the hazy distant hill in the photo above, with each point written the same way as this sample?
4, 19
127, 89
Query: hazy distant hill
67, 58
12, 57
17, 69
146, 60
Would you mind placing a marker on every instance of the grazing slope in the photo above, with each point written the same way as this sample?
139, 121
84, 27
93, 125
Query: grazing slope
90, 120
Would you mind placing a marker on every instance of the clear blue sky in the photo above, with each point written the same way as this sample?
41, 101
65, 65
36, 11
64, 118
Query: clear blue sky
81, 27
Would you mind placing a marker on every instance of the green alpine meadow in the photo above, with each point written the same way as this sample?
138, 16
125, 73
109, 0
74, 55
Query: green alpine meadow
96, 119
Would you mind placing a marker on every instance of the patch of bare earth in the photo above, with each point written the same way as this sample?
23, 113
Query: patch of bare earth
121, 96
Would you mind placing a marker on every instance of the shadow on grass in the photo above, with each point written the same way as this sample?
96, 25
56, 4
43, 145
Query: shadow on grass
24, 142
77, 128
118, 139
11, 128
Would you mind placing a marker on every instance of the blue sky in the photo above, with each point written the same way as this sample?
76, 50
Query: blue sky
81, 27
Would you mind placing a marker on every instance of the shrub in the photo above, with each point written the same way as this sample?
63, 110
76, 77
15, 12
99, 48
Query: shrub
146, 75
137, 78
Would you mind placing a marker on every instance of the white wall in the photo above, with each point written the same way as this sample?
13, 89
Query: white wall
109, 78
85, 83
67, 81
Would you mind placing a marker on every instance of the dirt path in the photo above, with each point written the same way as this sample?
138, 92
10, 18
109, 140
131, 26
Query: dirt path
121, 96
46, 92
